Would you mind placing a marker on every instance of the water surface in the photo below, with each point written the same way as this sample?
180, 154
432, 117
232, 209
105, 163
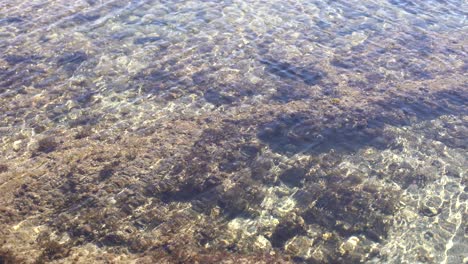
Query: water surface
233, 131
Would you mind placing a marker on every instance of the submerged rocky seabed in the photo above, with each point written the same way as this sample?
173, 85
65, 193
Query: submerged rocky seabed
233, 131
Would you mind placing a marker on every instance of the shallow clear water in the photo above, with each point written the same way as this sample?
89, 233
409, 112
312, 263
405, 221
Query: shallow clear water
233, 131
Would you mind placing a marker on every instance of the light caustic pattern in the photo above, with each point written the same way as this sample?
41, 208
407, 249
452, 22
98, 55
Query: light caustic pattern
233, 131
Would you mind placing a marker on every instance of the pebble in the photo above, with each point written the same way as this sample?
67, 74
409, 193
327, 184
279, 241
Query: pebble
17, 145
349, 245
300, 246
429, 211
148, 18
262, 242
